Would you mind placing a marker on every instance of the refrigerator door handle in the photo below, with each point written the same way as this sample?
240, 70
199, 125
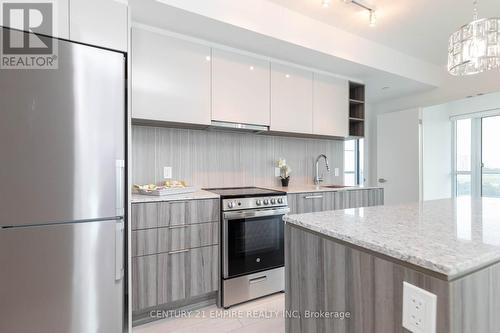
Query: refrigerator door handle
119, 234
120, 190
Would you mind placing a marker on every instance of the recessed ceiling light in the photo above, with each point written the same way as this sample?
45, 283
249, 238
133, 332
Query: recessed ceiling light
326, 3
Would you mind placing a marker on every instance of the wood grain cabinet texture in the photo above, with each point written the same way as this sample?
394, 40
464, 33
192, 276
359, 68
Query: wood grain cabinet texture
187, 274
175, 253
323, 275
144, 282
321, 201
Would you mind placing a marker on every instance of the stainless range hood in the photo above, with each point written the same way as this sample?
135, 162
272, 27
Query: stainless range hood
222, 125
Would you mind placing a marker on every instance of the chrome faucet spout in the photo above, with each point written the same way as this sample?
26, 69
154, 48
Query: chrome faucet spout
317, 178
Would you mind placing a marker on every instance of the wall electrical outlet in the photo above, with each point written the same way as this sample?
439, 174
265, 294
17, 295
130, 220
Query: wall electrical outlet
419, 309
277, 172
167, 172
336, 172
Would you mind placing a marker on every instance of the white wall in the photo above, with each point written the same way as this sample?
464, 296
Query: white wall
436, 152
476, 104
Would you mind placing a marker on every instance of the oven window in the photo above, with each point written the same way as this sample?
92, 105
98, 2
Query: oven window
255, 244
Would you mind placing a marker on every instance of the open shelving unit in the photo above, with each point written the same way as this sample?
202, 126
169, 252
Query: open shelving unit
356, 109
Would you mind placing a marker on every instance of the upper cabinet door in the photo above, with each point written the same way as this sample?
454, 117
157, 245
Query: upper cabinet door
16, 13
331, 106
170, 79
291, 99
240, 89
100, 22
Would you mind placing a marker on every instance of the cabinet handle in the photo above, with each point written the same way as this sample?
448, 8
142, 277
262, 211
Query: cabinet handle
257, 280
177, 252
178, 226
313, 197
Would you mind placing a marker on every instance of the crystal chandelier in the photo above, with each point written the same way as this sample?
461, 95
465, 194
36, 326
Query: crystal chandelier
475, 47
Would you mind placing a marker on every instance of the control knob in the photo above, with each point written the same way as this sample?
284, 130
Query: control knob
273, 201
266, 202
230, 204
258, 202
280, 200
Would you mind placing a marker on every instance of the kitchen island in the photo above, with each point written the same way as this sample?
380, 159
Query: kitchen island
355, 261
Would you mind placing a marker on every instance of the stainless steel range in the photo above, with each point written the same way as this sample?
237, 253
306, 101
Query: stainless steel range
252, 243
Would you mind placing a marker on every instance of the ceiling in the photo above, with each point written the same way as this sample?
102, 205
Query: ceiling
419, 28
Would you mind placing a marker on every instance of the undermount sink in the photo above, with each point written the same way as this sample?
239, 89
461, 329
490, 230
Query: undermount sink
335, 186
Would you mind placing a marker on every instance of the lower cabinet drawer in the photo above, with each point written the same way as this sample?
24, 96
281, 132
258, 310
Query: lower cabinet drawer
187, 236
183, 274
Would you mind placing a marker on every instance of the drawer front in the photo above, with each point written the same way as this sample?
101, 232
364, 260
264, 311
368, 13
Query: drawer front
181, 237
144, 242
188, 212
187, 273
144, 277
144, 215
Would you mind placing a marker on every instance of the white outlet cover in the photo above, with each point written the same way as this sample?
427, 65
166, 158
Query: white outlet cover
277, 172
419, 309
336, 172
167, 172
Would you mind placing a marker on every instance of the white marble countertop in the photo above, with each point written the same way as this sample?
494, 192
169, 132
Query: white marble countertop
198, 195
448, 237
292, 189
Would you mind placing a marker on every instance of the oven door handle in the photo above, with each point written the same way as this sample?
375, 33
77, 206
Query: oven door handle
255, 213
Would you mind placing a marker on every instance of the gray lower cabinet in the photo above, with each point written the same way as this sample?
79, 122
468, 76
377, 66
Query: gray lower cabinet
300, 203
188, 236
185, 274
144, 275
175, 254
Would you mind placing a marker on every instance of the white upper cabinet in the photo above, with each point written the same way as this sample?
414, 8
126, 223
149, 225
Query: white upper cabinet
291, 99
240, 86
59, 15
331, 106
170, 79
100, 22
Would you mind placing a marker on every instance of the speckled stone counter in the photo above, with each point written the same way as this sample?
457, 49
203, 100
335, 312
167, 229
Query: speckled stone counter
448, 237
198, 195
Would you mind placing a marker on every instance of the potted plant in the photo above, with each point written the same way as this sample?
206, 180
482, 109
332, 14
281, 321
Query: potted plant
285, 171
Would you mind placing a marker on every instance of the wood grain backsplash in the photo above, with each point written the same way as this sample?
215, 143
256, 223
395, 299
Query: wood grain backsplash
208, 158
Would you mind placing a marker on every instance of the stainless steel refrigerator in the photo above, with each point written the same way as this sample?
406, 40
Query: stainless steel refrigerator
62, 194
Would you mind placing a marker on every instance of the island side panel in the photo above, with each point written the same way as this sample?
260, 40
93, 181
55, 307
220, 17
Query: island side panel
476, 302
323, 275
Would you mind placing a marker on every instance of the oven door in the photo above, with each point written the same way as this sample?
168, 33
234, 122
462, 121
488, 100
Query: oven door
253, 241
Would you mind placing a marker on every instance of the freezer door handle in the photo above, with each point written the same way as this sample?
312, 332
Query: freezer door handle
119, 234
120, 190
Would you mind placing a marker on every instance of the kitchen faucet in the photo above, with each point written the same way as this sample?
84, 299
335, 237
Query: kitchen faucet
317, 178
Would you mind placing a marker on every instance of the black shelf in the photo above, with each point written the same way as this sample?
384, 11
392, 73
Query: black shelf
356, 110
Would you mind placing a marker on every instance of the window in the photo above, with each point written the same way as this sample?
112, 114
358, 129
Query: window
477, 162
463, 160
490, 185
353, 162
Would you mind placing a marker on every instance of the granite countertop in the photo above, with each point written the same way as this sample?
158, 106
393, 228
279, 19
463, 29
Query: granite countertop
449, 237
313, 188
198, 195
